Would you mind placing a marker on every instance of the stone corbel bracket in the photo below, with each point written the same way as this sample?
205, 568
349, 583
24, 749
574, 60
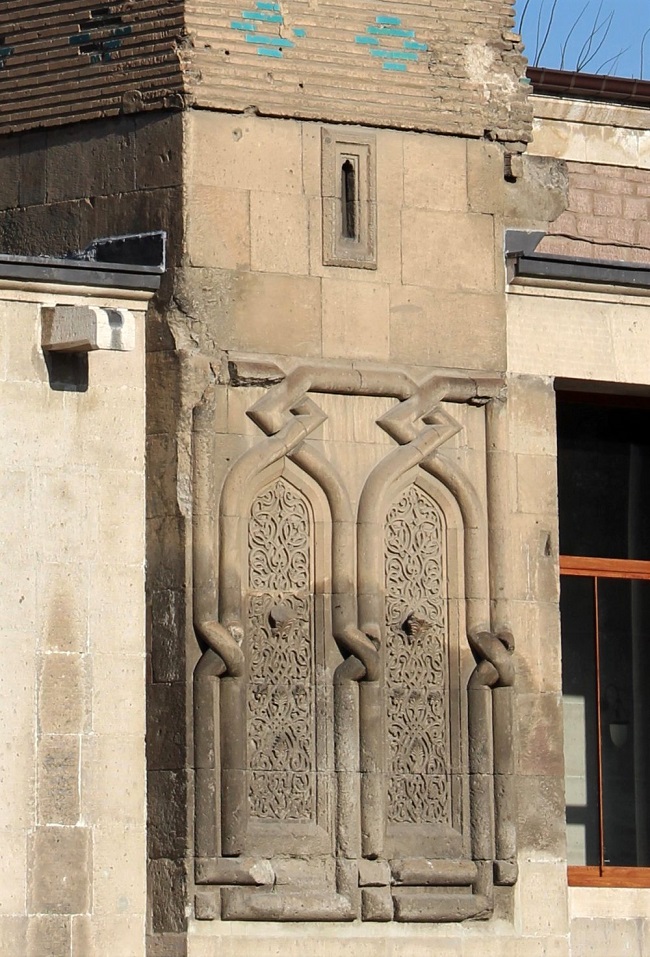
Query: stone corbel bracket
86, 329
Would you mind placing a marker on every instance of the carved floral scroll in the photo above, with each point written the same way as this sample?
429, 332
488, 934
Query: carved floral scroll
417, 667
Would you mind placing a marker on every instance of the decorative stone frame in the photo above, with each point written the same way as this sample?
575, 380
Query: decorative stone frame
442, 875
358, 150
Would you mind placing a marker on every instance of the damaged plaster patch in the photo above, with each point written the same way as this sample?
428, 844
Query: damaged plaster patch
479, 64
482, 67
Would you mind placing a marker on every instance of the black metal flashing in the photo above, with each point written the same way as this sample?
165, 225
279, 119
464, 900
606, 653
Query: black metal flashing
574, 269
525, 263
136, 249
121, 262
522, 242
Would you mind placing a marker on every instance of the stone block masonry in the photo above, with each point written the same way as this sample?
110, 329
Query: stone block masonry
81, 60
445, 66
607, 214
72, 774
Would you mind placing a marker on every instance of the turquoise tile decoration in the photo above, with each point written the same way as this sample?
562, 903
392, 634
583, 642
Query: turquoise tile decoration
380, 38
387, 41
101, 50
4, 53
253, 22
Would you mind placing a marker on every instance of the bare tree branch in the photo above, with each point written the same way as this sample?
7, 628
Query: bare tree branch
523, 16
570, 33
587, 61
642, 43
593, 36
540, 49
613, 60
585, 50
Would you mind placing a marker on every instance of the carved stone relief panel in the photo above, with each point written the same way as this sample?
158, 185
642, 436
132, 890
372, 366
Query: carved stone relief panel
417, 667
281, 701
353, 701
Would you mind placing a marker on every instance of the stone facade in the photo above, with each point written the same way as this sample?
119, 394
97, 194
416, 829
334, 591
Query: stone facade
353, 677
608, 163
593, 338
441, 67
72, 594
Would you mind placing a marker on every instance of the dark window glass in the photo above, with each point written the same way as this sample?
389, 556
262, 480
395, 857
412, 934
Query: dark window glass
604, 510
623, 632
579, 686
603, 479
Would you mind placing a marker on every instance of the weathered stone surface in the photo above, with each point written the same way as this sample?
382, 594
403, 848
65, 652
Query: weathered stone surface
58, 779
239, 870
355, 320
207, 904
374, 873
61, 869
461, 257
63, 694
81, 598
433, 327
218, 228
540, 748
421, 872
13, 872
540, 195
167, 795
166, 888
435, 173
541, 823
376, 904
63, 606
167, 622
48, 936
13, 935
165, 731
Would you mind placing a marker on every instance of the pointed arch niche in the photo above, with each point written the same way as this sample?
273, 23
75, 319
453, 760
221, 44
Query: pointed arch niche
353, 705
265, 826
288, 703
426, 767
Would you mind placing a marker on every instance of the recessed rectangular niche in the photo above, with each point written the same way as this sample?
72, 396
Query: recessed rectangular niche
349, 192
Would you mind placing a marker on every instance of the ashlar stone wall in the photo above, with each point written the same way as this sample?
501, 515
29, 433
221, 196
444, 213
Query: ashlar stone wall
596, 339
257, 302
261, 285
255, 280
72, 698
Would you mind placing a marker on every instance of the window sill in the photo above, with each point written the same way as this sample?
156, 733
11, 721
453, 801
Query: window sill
608, 876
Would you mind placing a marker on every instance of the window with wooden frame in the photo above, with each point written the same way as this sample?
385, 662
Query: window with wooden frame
604, 509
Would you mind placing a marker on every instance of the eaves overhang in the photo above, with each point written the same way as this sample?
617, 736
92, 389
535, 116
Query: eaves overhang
589, 86
524, 263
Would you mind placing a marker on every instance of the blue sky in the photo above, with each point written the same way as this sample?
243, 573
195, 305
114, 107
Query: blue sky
629, 21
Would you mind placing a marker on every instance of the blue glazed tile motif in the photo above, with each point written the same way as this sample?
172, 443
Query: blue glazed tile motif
101, 51
252, 25
4, 53
395, 57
